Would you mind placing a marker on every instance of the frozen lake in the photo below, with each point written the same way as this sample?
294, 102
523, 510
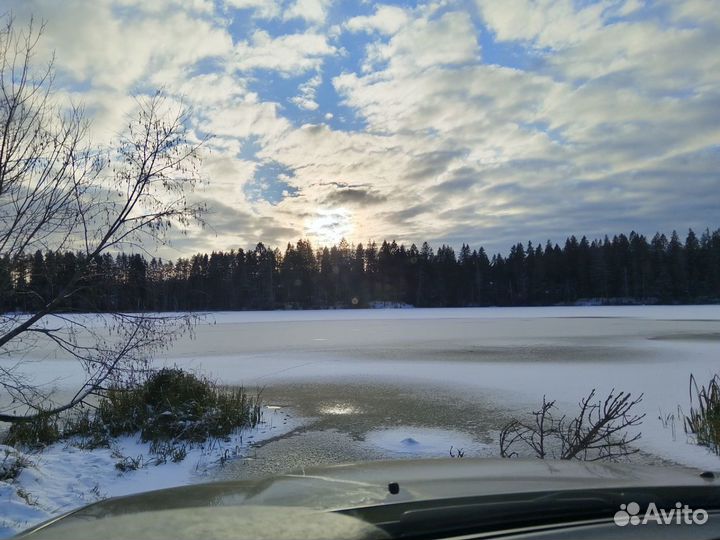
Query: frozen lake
396, 383
374, 384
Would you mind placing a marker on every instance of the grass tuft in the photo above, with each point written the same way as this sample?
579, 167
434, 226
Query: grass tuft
704, 418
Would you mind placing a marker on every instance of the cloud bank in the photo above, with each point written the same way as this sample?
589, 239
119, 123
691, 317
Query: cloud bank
451, 121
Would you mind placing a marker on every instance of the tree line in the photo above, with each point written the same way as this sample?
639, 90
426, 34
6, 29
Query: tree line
624, 269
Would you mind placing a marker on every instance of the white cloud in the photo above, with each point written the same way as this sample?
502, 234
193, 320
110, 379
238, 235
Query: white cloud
159, 6
118, 48
425, 43
649, 53
213, 89
290, 54
312, 11
262, 9
386, 20
548, 23
306, 99
246, 118
696, 12
645, 98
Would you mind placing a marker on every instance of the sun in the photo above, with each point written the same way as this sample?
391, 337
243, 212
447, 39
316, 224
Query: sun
329, 226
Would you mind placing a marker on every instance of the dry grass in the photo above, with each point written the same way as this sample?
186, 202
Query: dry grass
704, 418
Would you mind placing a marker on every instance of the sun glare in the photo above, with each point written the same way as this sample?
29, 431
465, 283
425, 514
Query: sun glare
329, 226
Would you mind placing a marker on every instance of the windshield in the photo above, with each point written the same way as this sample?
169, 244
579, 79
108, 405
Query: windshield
247, 238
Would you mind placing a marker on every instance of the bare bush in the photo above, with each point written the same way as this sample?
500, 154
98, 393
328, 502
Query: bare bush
597, 432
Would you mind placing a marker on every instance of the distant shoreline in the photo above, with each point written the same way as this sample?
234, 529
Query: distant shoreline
398, 306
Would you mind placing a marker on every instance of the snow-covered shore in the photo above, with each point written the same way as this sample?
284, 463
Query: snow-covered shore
62, 477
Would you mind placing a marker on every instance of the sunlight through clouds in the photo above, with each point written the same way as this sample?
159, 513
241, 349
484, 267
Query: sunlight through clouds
329, 226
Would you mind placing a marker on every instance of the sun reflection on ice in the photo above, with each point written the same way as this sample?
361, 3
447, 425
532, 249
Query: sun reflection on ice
338, 409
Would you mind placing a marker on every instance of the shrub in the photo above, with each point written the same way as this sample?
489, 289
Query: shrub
169, 408
175, 405
704, 418
38, 432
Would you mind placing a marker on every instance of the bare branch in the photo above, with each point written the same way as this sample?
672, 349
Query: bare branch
597, 432
58, 193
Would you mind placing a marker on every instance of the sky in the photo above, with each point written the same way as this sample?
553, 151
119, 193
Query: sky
454, 121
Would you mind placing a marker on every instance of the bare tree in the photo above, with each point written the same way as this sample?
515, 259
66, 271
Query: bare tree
597, 432
58, 192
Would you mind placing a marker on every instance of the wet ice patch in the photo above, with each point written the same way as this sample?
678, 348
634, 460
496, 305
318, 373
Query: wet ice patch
338, 409
424, 442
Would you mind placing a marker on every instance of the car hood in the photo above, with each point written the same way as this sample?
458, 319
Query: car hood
270, 502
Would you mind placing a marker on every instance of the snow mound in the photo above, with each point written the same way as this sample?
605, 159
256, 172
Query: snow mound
425, 442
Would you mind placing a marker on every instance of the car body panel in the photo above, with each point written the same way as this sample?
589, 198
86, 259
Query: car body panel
365, 485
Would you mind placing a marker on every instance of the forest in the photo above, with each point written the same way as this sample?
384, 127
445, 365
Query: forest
627, 269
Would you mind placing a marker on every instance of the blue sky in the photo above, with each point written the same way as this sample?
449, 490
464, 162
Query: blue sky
454, 121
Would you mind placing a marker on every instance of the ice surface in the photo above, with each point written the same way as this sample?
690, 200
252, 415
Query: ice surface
425, 442
694, 312
690, 313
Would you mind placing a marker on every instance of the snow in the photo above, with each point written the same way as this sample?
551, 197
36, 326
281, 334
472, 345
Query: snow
690, 313
63, 477
425, 442
515, 355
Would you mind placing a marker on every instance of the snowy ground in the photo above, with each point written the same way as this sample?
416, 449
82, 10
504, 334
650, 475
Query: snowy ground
63, 477
397, 383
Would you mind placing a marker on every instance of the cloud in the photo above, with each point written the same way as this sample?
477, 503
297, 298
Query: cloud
460, 181
312, 11
545, 23
354, 196
262, 9
242, 119
118, 48
425, 43
386, 20
306, 99
197, 6
231, 227
573, 117
290, 54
